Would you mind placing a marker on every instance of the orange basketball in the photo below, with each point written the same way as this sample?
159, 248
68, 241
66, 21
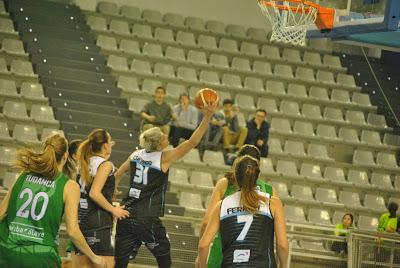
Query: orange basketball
205, 96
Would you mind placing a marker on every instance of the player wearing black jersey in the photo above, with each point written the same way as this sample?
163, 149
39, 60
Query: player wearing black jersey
97, 183
247, 221
145, 200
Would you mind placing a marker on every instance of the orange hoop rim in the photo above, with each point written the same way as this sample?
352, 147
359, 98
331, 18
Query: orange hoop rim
294, 9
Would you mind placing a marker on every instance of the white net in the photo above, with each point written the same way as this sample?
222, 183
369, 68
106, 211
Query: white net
290, 23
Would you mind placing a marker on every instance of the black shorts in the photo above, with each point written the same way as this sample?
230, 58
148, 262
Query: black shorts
132, 233
99, 241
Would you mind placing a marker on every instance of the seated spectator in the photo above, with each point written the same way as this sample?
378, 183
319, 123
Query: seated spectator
388, 220
347, 223
234, 135
212, 139
157, 113
186, 120
258, 132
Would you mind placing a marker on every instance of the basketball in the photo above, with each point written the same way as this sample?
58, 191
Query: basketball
205, 96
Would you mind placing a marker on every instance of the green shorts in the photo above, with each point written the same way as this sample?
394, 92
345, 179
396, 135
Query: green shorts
215, 256
22, 256
70, 247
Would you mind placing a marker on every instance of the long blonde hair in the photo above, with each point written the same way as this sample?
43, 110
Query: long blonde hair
246, 172
46, 161
89, 148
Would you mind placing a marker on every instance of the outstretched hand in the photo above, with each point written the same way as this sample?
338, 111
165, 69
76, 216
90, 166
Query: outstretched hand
209, 109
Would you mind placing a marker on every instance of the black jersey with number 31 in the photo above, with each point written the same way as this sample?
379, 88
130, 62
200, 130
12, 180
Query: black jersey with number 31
247, 239
148, 184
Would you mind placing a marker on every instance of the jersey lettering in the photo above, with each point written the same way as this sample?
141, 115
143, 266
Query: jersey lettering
247, 219
141, 174
23, 212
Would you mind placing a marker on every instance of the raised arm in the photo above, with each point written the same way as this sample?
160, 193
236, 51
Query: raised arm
4, 204
71, 200
208, 236
96, 191
282, 244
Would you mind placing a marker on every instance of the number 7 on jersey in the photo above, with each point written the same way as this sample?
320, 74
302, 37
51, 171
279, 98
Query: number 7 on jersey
247, 219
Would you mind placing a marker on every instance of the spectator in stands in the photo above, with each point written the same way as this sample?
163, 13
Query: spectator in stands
213, 136
186, 120
258, 132
347, 223
157, 113
388, 220
234, 135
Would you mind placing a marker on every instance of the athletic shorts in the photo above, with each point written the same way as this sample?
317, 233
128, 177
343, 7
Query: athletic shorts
215, 257
99, 241
132, 233
24, 256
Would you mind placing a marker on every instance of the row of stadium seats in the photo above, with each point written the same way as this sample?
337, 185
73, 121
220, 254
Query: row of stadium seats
17, 67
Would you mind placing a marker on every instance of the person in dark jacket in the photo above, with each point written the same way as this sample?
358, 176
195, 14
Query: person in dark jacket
258, 132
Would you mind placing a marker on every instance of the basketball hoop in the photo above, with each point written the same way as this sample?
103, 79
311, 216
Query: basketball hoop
291, 18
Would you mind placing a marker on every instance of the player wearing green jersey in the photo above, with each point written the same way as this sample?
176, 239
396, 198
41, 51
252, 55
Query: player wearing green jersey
30, 214
225, 187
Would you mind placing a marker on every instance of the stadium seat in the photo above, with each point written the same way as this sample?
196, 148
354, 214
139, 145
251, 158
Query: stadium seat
287, 168
381, 180
15, 111
326, 195
311, 171
175, 90
107, 42
292, 55
128, 84
349, 199
5, 137
206, 41
270, 52
387, 160
311, 111
390, 139
304, 73
129, 46
249, 49
43, 114
325, 77
117, 63
355, 117
254, 83
197, 57
216, 27
175, 53
295, 214
376, 120
332, 61
140, 66
209, 77
290, 108
361, 99
186, 73
266, 166
131, 12
367, 223
8, 91
195, 23
281, 125
319, 216
332, 113
149, 86
21, 67
295, 148
235, 30
283, 70
33, 92
228, 45
26, 134
232, 81
276, 87
241, 119
241, 64
262, 67
269, 105
394, 199
136, 105
274, 146
174, 19
303, 128
223, 95
10, 178
164, 70
13, 46
363, 157
334, 174
319, 93
257, 34
47, 132
348, 134
119, 27
338, 216
357, 177
142, 31
318, 151
7, 156
193, 157
191, 201
346, 80
200, 178
312, 245
397, 182
281, 188
152, 16
340, 96
153, 50
213, 158
165, 35
371, 137
96, 23
313, 58
326, 131
374, 202
297, 90
302, 192
219, 61
108, 8
6, 25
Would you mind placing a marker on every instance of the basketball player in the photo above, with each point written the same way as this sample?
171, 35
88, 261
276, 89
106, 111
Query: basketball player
145, 201
30, 214
247, 221
225, 187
